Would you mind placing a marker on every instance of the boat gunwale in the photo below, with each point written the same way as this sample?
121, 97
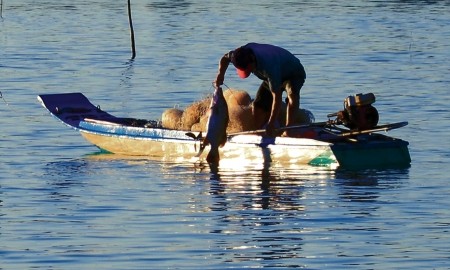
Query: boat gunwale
160, 134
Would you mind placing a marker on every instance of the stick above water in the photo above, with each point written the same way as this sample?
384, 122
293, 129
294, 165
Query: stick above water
133, 44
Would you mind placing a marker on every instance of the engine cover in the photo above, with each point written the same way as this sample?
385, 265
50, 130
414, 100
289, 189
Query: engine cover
358, 112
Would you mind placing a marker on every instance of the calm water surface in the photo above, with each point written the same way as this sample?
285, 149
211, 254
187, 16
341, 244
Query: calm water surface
64, 205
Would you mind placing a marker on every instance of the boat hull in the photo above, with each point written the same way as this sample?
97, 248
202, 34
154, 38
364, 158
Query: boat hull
176, 145
137, 137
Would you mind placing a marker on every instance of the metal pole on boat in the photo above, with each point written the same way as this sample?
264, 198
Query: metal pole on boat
318, 124
133, 44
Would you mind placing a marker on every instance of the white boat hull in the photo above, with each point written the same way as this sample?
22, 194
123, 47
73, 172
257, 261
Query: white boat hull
173, 145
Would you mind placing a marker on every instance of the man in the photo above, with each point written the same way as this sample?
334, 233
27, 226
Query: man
280, 71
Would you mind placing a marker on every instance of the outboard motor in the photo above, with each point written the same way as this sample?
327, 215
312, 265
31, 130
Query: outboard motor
358, 112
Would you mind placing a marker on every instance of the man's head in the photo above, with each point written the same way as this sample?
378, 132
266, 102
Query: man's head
242, 59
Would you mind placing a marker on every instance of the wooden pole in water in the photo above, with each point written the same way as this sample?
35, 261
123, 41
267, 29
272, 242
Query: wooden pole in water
1, 9
133, 44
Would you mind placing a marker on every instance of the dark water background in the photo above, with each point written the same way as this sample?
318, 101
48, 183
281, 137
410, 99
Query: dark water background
64, 206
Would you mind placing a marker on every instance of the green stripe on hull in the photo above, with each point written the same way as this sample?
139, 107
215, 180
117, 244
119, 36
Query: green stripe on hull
324, 159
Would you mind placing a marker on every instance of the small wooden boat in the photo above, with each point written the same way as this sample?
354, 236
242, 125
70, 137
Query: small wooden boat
322, 144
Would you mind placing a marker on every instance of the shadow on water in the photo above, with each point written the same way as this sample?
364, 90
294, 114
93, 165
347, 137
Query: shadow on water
170, 6
363, 192
64, 176
390, 178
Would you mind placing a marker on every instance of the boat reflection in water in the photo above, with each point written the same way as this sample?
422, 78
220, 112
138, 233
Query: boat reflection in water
248, 211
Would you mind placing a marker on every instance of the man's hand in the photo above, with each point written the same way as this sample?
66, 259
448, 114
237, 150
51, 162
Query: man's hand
223, 65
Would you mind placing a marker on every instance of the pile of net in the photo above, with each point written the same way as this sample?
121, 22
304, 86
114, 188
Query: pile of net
195, 116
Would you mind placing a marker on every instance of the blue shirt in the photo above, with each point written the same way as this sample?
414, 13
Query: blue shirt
275, 65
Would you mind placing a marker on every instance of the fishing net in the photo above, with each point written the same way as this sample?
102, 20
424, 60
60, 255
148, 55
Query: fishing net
171, 118
237, 97
195, 116
194, 112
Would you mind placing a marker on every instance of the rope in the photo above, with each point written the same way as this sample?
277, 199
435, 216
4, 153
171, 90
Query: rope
4, 100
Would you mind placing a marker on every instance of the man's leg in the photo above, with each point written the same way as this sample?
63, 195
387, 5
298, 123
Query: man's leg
292, 108
293, 99
262, 105
260, 116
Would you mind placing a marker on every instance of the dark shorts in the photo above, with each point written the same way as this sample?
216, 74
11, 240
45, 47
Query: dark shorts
264, 98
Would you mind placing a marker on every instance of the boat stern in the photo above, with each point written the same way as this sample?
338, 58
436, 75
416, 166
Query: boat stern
392, 153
